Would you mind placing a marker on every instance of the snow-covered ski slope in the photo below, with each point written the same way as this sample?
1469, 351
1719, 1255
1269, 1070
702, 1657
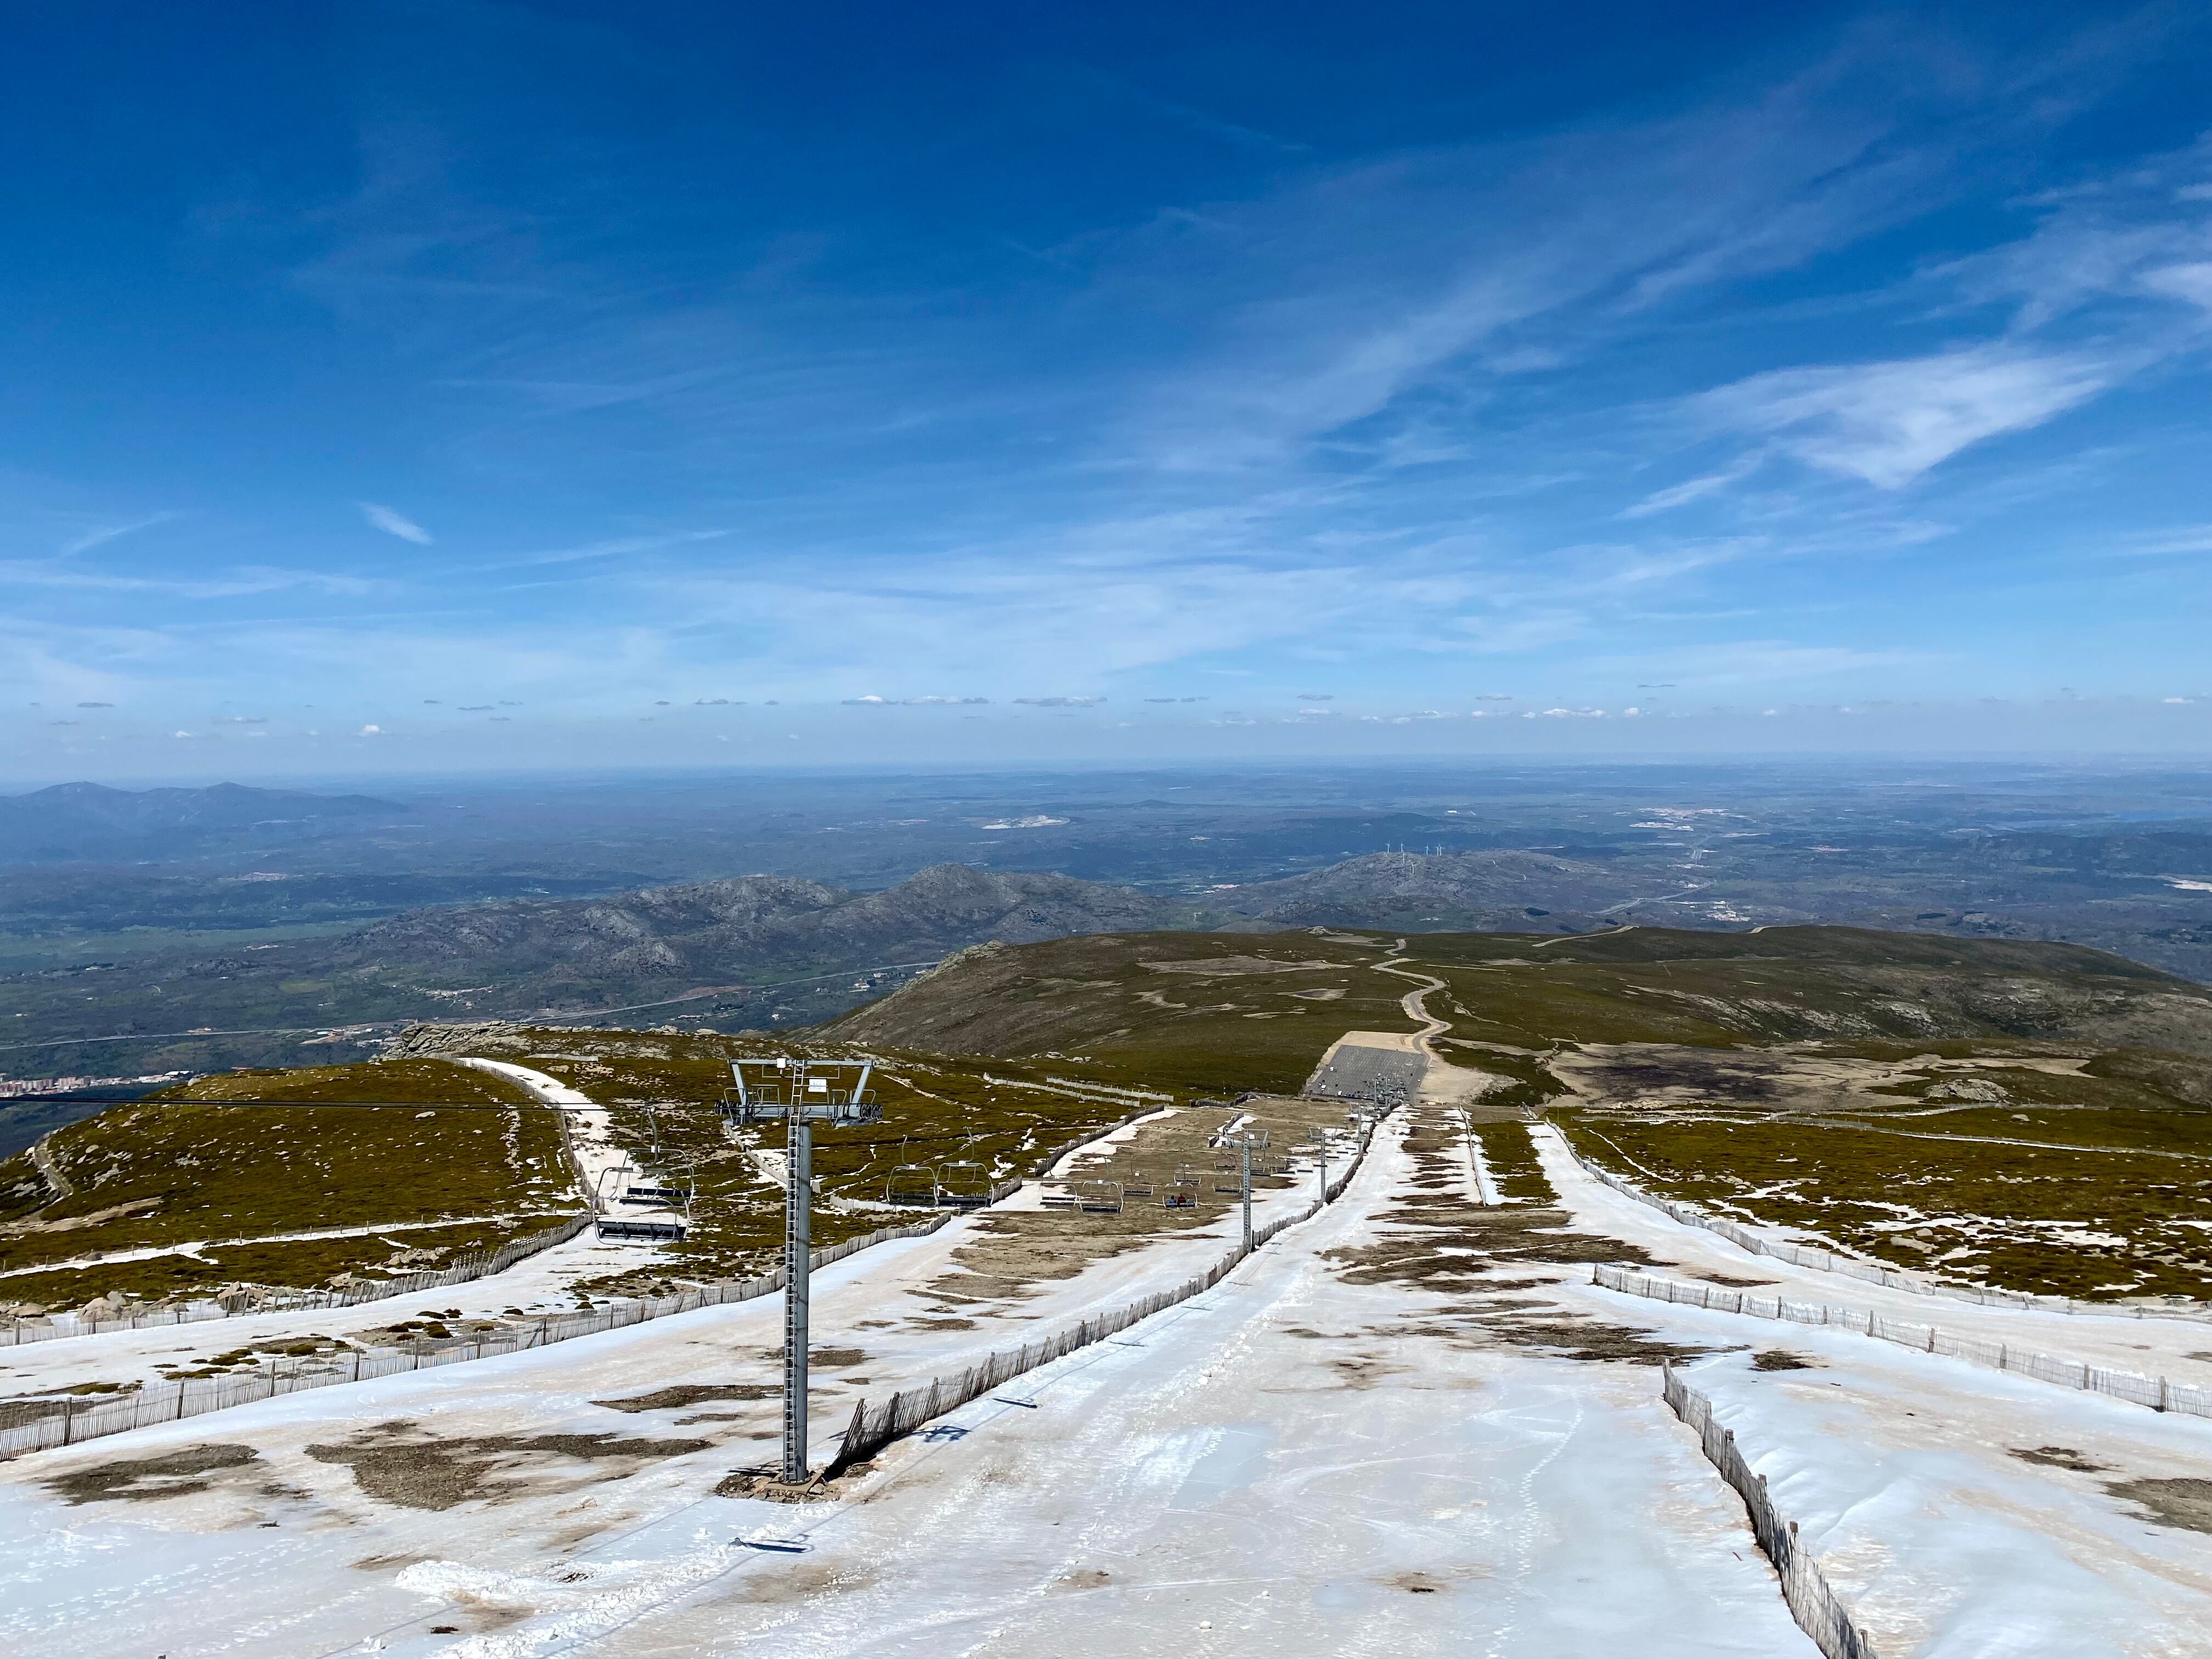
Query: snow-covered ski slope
1330, 1452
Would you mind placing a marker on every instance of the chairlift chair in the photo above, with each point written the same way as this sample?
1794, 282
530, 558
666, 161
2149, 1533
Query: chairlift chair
1098, 1197
912, 1184
955, 1178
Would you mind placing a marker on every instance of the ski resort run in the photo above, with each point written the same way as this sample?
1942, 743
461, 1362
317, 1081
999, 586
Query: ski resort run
1411, 1418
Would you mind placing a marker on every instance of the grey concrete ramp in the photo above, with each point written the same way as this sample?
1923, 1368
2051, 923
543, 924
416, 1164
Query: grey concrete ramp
1384, 1067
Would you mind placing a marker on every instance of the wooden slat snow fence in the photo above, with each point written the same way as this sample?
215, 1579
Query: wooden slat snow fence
2155, 1392
1044, 1164
481, 1264
77, 1419
1811, 1602
874, 1427
1871, 1272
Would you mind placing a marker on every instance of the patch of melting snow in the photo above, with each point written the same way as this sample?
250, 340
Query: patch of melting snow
579, 1605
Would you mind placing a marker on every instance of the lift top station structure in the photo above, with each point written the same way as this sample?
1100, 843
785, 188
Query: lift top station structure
801, 1093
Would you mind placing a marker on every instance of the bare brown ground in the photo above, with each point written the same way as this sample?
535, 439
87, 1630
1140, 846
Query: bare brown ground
1013, 1252
141, 1480
2186, 1502
693, 1393
1781, 1360
1440, 1240
394, 1462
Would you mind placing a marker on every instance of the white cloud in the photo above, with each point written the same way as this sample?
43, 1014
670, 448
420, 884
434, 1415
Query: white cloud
89, 540
1680, 495
1060, 702
394, 523
2192, 282
1889, 422
372, 731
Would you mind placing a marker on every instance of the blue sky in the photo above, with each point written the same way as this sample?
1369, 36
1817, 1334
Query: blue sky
417, 386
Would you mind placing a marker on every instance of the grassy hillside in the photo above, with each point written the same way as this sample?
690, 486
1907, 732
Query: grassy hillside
995, 1117
2030, 1115
184, 1168
1214, 1012
457, 1142
1151, 1005
1795, 984
2074, 1172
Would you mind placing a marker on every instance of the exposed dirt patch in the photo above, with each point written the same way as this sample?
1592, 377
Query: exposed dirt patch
803, 1580
1781, 1360
692, 1393
1009, 1253
767, 1485
1727, 1283
820, 1358
1417, 1583
437, 1474
941, 1324
1458, 1244
141, 1480
1575, 1337
1083, 1578
1441, 1239
1363, 1371
1562, 1336
2059, 1457
2186, 1502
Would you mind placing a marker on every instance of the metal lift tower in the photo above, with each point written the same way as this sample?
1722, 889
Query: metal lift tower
802, 1093
1245, 1143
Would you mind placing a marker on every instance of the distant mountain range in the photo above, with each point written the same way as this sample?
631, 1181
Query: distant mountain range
89, 822
753, 950
750, 950
570, 953
580, 953
1502, 890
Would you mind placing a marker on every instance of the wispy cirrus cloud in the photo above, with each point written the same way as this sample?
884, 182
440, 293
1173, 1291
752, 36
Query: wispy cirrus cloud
2114, 277
392, 522
240, 583
1889, 422
85, 540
